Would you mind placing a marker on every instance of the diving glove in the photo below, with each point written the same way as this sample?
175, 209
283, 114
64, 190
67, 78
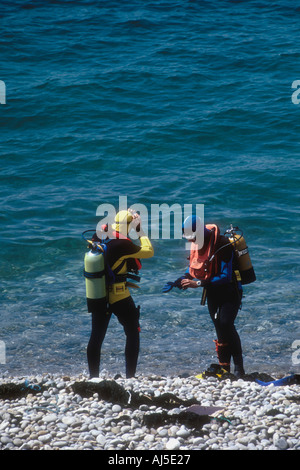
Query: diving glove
167, 287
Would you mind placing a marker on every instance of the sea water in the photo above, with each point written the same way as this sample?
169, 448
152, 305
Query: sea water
164, 102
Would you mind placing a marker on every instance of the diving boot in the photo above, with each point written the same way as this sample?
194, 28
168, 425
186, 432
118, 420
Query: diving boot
239, 371
224, 355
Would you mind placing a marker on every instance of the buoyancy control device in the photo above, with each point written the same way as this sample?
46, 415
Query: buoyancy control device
202, 264
237, 240
99, 277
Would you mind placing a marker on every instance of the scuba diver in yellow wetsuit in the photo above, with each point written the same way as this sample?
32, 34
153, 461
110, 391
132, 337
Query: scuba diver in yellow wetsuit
121, 263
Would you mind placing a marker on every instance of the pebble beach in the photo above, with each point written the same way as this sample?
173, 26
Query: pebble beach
50, 412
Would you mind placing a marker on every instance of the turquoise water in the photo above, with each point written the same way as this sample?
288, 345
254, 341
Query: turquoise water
163, 102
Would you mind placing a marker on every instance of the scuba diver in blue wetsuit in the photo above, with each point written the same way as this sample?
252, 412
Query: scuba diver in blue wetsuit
215, 268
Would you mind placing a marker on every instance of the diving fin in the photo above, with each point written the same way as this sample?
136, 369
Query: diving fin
289, 380
214, 370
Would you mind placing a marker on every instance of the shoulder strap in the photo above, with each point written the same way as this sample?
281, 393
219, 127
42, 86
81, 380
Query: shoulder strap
110, 276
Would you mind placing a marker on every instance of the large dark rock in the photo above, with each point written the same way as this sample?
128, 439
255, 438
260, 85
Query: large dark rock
12, 391
111, 391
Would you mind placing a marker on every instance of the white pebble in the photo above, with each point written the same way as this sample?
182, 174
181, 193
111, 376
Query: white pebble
173, 444
50, 418
252, 418
116, 409
45, 437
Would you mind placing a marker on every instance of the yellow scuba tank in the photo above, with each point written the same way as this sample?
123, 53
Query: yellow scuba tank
94, 272
245, 267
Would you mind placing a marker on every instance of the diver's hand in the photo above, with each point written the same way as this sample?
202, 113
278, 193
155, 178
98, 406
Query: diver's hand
186, 283
136, 222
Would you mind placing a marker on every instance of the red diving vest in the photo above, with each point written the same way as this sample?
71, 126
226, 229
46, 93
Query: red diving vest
200, 266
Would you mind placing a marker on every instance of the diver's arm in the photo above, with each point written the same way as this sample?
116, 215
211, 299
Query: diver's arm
225, 274
146, 248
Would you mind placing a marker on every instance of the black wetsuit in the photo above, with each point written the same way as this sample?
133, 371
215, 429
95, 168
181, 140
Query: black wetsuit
128, 315
224, 295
